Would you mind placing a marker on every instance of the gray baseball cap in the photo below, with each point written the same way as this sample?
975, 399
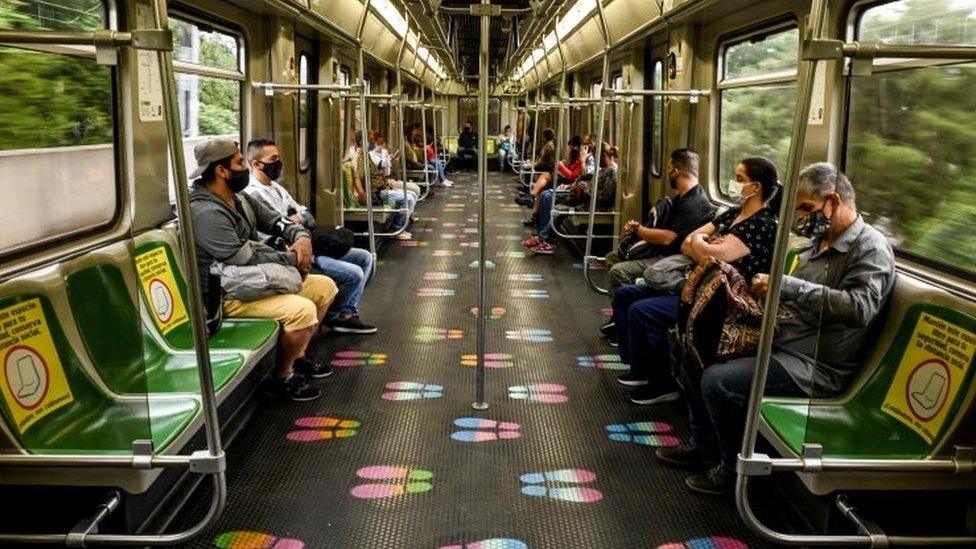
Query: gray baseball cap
210, 151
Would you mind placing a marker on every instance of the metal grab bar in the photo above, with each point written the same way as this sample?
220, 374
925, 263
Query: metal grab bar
272, 86
750, 464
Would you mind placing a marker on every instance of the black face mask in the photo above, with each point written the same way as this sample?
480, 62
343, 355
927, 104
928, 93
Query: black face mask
238, 180
272, 169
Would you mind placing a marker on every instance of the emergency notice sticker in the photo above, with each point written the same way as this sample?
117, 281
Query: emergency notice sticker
160, 290
935, 363
34, 384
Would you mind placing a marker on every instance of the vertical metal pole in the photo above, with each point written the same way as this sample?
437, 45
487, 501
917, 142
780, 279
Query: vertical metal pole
804, 92
535, 140
400, 121
423, 127
364, 117
480, 403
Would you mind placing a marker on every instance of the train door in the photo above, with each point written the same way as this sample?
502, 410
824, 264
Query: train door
308, 70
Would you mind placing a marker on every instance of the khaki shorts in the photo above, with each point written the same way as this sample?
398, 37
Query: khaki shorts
294, 311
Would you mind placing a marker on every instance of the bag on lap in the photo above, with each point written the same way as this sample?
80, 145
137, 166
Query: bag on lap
719, 316
669, 273
631, 247
334, 242
253, 282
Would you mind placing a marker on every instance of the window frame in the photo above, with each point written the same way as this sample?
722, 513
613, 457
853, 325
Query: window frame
920, 265
768, 27
120, 104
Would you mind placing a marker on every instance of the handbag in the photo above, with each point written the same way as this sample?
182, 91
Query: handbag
669, 273
253, 282
334, 242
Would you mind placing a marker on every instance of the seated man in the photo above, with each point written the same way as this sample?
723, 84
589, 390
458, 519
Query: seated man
225, 227
828, 304
668, 223
349, 272
468, 146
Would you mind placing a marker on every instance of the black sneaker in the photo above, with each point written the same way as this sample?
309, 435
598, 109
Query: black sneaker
684, 455
294, 388
351, 325
311, 368
647, 395
630, 380
527, 202
530, 222
612, 340
608, 329
717, 481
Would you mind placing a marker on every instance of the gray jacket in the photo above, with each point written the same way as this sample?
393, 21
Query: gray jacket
230, 235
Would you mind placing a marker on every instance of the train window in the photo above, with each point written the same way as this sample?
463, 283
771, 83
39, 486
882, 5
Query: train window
57, 133
468, 110
757, 83
209, 80
304, 113
657, 130
910, 139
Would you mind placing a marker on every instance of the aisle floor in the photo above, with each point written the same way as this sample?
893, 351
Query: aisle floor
399, 466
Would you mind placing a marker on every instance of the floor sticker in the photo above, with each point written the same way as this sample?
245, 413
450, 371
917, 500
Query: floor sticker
350, 358
525, 277
488, 264
435, 292
446, 253
437, 275
530, 335
602, 362
397, 481
476, 429
449, 225
530, 294
426, 334
558, 485
512, 237
242, 539
707, 543
647, 433
493, 314
455, 205
607, 312
413, 244
323, 428
511, 254
546, 393
493, 543
492, 360
412, 390
470, 230
470, 245
449, 236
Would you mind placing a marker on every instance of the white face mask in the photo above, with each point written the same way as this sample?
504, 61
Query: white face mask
735, 192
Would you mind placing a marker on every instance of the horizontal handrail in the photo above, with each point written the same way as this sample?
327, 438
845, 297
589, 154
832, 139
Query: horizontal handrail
271, 86
143, 39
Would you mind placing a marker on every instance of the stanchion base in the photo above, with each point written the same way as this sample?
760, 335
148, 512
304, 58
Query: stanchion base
480, 405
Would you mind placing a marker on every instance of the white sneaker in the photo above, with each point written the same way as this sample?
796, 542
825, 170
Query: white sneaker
403, 236
447, 183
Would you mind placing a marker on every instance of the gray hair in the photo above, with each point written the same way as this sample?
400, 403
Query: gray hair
823, 178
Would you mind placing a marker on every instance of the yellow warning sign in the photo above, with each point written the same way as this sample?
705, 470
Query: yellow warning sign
160, 290
34, 384
938, 356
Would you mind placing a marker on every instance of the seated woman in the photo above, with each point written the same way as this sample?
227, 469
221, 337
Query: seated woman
743, 237
569, 170
435, 164
544, 243
384, 190
380, 153
506, 146
545, 158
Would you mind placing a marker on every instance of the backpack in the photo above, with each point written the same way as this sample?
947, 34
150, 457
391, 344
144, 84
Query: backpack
334, 242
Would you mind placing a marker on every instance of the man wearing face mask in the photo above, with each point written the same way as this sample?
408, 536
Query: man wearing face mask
828, 304
349, 272
226, 224
668, 223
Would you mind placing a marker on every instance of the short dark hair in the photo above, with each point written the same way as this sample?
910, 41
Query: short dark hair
686, 160
256, 146
210, 174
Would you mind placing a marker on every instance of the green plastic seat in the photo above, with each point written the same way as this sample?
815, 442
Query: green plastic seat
93, 422
240, 334
112, 331
854, 425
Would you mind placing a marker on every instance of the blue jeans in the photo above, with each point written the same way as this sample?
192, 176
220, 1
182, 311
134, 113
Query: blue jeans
643, 316
438, 168
546, 233
400, 200
349, 272
717, 397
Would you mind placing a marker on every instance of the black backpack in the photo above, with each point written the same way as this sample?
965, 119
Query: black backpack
334, 242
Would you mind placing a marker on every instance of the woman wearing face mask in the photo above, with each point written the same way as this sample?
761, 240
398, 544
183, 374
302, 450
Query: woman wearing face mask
743, 236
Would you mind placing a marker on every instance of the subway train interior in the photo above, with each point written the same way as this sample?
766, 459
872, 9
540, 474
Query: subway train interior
494, 274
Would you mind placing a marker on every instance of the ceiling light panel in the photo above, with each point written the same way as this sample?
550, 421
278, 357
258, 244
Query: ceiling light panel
391, 15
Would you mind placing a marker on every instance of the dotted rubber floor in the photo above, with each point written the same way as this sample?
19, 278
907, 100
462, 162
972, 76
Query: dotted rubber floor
386, 457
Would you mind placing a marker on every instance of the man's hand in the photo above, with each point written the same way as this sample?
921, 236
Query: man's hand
395, 155
631, 226
303, 253
297, 218
760, 285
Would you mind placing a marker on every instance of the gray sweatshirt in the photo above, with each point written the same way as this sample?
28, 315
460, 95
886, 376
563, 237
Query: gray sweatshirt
230, 235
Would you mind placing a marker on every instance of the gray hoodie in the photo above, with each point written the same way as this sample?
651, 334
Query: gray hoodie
230, 235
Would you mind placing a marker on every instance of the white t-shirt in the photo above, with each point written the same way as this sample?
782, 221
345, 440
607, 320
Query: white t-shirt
275, 196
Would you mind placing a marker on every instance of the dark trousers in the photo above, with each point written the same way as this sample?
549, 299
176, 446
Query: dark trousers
717, 397
643, 316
